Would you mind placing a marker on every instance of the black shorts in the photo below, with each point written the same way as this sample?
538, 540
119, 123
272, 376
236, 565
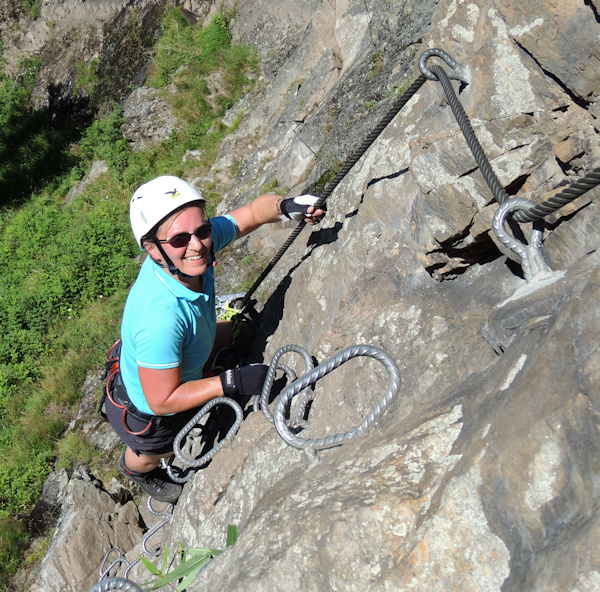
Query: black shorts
147, 437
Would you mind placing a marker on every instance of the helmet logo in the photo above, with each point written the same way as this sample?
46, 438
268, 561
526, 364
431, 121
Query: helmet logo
173, 193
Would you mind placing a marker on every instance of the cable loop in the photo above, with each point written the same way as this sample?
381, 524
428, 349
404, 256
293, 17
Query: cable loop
116, 584
261, 402
166, 512
104, 573
190, 462
310, 447
458, 72
532, 259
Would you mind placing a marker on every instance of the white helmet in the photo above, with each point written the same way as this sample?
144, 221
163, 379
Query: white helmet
155, 200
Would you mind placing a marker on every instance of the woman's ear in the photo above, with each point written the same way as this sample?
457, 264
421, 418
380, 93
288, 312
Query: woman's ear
152, 250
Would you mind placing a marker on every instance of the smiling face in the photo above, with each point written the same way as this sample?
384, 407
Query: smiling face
191, 259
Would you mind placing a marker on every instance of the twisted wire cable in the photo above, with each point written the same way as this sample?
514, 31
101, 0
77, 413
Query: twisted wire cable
262, 401
190, 462
535, 211
394, 110
465, 125
311, 446
116, 584
567, 195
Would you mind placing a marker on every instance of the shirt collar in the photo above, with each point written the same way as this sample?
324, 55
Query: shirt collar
178, 289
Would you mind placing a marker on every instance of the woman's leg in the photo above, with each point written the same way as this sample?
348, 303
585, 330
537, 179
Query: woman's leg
143, 463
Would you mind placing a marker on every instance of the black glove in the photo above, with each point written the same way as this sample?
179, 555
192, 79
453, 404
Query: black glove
247, 380
294, 208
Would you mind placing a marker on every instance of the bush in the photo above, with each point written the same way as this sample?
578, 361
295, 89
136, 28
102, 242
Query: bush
13, 538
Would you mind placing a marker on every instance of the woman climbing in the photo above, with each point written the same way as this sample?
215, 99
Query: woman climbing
169, 330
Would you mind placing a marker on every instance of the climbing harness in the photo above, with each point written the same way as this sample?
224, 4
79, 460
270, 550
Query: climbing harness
116, 392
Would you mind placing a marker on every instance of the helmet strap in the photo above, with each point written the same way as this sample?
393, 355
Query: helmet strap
170, 265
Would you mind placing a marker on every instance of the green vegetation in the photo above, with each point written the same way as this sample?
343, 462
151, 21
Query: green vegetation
34, 149
192, 561
33, 7
377, 63
86, 76
370, 105
67, 260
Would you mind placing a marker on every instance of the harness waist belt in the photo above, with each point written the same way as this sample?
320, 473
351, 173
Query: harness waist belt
121, 397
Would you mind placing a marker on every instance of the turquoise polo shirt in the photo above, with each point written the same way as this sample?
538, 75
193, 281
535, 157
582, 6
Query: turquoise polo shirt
167, 325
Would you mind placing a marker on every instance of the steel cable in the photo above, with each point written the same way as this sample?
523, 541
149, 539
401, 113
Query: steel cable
535, 212
567, 195
189, 462
311, 446
465, 125
396, 107
116, 584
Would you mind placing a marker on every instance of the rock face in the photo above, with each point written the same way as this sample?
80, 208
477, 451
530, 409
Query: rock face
77, 42
484, 473
89, 526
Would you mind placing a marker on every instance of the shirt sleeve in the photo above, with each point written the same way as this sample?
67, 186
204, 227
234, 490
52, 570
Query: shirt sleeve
158, 340
224, 232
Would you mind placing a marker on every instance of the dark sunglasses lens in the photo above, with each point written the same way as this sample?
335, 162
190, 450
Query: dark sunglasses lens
180, 240
203, 231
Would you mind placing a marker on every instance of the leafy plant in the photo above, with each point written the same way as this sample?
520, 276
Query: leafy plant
86, 76
13, 536
34, 7
103, 140
192, 561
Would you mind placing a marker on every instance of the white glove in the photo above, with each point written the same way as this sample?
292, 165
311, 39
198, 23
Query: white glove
295, 208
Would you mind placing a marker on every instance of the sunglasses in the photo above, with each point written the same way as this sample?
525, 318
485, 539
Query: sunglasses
183, 238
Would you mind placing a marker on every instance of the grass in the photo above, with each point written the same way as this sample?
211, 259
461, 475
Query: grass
66, 264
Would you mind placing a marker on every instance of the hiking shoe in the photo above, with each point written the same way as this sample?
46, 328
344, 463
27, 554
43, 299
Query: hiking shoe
156, 483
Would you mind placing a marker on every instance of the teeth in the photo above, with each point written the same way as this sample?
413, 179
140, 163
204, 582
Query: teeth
197, 258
